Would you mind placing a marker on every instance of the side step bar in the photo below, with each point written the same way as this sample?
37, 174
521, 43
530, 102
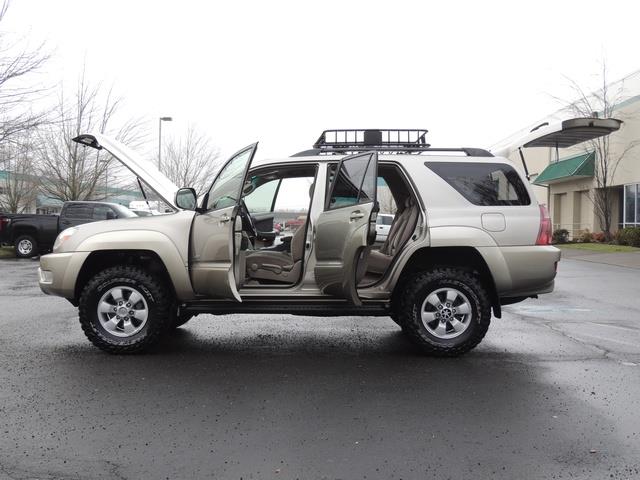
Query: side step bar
309, 308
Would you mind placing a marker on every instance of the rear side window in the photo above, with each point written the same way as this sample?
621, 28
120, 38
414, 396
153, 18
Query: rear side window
78, 211
485, 184
355, 182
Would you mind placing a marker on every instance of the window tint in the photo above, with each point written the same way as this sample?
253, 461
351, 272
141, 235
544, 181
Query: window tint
486, 184
354, 183
368, 190
226, 188
78, 211
100, 212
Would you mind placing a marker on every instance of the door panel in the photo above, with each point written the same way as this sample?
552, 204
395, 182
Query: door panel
213, 233
212, 250
345, 227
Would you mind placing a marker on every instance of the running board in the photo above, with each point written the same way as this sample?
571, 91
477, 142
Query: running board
313, 309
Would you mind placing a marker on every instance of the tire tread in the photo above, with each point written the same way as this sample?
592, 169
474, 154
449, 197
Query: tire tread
161, 320
411, 325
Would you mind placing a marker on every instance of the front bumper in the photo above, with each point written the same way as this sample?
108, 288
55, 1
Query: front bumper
58, 273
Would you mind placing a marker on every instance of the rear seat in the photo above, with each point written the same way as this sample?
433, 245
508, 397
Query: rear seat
401, 230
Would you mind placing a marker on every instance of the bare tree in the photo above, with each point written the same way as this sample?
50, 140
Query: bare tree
18, 63
190, 160
602, 103
18, 184
71, 171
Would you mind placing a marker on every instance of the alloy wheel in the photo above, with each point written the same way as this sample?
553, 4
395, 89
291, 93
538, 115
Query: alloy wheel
446, 313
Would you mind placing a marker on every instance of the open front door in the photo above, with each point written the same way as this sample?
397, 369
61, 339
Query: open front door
214, 245
347, 225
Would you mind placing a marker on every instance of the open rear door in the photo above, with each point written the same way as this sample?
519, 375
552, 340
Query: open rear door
347, 224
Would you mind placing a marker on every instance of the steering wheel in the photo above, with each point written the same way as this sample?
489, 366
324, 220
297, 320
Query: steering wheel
247, 221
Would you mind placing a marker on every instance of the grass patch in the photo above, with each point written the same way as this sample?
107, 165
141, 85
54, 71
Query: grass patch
599, 247
7, 252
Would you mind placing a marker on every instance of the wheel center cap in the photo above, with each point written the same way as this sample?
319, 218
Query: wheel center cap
122, 311
446, 313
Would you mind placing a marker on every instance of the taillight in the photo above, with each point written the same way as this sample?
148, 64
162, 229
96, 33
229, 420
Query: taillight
544, 234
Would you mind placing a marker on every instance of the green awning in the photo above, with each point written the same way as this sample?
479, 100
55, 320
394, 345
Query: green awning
580, 166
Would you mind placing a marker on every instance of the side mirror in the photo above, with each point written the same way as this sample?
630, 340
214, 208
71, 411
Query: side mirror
111, 216
186, 198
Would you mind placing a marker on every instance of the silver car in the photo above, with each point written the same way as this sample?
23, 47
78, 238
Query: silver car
468, 237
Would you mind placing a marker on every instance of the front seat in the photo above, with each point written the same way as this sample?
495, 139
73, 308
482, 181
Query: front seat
280, 266
401, 230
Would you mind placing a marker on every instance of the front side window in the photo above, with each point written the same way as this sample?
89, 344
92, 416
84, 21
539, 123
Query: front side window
261, 199
484, 184
280, 190
100, 212
226, 189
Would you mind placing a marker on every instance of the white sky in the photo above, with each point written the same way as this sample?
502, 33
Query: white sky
281, 72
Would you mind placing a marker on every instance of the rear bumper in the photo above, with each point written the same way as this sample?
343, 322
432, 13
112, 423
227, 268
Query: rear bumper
58, 273
522, 271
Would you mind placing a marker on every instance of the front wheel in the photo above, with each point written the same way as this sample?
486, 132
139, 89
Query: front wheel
446, 311
124, 309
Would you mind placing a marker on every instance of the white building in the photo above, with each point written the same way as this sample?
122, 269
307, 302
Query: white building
565, 180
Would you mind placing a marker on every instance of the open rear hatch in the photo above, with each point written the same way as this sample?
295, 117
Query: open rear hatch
562, 135
143, 169
570, 132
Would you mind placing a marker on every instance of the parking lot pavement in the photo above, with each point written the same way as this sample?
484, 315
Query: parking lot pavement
552, 392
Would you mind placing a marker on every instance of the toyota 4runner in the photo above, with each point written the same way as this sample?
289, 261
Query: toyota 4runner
468, 237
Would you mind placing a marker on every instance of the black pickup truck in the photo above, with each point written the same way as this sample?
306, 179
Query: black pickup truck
31, 234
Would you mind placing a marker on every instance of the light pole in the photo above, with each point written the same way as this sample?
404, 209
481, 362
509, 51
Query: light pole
160, 120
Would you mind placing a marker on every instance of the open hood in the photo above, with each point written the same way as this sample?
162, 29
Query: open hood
564, 134
141, 168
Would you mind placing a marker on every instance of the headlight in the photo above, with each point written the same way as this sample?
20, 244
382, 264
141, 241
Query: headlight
63, 237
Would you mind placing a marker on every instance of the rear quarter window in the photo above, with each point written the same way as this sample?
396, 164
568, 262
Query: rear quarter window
484, 184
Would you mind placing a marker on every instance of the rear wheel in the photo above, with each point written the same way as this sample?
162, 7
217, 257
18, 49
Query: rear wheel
446, 311
26, 246
124, 309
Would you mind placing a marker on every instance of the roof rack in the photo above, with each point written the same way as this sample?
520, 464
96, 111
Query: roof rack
390, 141
409, 139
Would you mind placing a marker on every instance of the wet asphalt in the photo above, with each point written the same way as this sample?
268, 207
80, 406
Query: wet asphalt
552, 392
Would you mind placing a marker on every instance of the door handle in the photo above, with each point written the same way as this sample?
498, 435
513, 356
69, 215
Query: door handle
225, 218
356, 215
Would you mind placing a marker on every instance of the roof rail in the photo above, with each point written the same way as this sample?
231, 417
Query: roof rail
468, 151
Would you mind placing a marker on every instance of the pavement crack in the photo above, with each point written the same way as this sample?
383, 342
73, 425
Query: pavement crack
607, 354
